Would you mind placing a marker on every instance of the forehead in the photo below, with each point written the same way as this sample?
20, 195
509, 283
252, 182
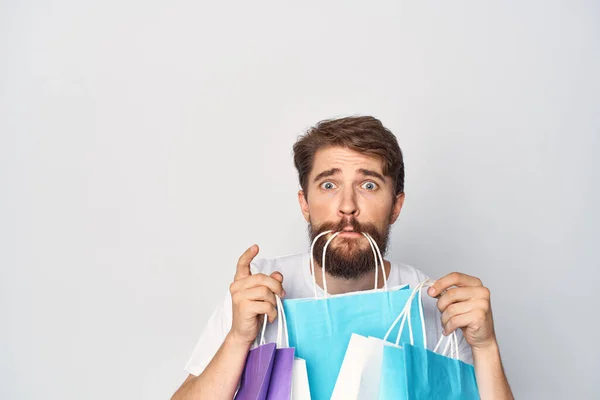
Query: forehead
345, 159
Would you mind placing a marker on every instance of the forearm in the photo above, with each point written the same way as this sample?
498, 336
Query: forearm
222, 375
491, 380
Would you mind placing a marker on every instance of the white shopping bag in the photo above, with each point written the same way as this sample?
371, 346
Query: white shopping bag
300, 388
359, 375
370, 378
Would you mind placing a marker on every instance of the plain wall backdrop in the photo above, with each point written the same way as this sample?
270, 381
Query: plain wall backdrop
144, 145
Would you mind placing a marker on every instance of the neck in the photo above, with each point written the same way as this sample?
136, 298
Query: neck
337, 285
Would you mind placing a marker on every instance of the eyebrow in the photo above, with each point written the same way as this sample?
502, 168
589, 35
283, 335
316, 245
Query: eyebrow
327, 173
375, 174
333, 171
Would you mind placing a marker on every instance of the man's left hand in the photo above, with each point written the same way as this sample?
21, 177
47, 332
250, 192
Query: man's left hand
465, 303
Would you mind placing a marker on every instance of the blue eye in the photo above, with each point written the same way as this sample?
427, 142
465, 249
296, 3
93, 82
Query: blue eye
327, 185
369, 186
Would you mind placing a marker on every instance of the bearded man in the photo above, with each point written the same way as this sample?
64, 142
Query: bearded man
351, 173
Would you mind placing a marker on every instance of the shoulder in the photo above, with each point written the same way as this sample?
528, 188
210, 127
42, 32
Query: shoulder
408, 275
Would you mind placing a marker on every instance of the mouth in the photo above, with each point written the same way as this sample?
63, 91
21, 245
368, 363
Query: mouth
350, 233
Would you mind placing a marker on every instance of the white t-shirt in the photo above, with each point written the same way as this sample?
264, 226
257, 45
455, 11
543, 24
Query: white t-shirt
298, 283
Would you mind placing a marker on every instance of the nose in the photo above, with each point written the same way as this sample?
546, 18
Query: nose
348, 205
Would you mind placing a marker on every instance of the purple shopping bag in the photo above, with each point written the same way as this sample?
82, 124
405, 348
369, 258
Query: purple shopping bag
280, 386
268, 371
256, 376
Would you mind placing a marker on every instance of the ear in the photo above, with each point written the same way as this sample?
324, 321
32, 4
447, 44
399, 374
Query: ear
397, 207
303, 205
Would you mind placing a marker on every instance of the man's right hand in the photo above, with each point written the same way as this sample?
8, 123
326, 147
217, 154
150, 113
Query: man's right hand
252, 296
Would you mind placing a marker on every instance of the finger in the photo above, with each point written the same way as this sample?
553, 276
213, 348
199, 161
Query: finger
453, 279
463, 320
464, 307
461, 294
263, 307
258, 280
243, 265
260, 293
277, 275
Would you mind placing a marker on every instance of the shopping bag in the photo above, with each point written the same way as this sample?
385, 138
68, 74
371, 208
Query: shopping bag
360, 374
256, 375
348, 382
393, 383
300, 386
256, 381
280, 384
435, 376
320, 328
412, 372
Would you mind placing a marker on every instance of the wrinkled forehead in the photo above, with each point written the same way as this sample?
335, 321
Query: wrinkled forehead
345, 161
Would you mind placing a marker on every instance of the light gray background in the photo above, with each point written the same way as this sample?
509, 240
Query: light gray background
146, 144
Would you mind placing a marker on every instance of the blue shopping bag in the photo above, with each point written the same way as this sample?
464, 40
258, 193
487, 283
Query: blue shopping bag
433, 376
320, 328
393, 383
375, 368
413, 372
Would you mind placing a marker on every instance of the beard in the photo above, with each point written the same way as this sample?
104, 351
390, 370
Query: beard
348, 258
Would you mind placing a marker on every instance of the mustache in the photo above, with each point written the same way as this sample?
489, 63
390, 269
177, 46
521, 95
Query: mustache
364, 227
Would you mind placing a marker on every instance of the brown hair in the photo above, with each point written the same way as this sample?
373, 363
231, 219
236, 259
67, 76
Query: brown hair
363, 134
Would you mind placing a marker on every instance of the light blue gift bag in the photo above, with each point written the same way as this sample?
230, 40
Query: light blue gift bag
320, 328
413, 372
434, 376
393, 383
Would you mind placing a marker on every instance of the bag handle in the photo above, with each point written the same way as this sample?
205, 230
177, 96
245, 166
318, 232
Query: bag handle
405, 316
282, 330
261, 341
452, 345
376, 254
451, 349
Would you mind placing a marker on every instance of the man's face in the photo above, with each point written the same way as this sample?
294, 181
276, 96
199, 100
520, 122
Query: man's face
348, 192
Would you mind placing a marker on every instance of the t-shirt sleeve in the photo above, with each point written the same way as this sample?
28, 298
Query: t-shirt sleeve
212, 337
